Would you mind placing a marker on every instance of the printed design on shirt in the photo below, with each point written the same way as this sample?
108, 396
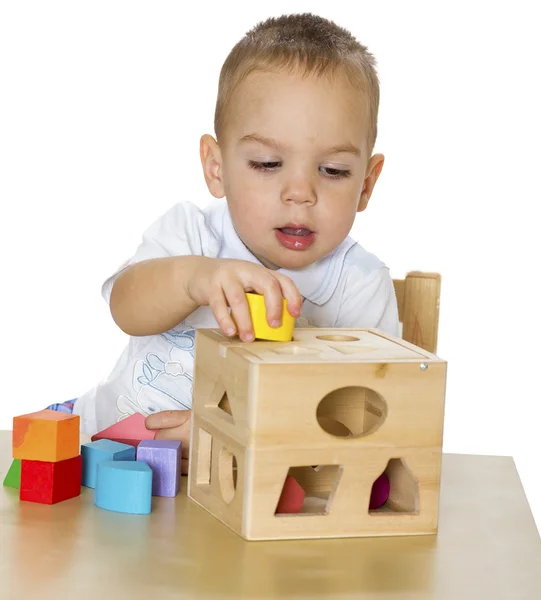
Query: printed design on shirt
64, 407
163, 381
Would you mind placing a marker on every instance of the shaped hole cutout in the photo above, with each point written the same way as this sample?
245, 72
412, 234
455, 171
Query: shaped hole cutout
235, 468
403, 495
338, 338
224, 405
227, 474
351, 412
204, 457
308, 490
218, 401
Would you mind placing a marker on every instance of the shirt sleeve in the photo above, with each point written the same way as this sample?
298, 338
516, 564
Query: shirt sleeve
183, 230
369, 301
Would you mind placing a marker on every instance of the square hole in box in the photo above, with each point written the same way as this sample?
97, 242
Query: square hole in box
308, 490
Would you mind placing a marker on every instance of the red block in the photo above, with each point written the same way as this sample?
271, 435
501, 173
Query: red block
292, 497
130, 430
48, 482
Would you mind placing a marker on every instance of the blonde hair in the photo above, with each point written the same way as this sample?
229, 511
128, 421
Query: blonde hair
305, 42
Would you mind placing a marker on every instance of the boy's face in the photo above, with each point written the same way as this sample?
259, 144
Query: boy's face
293, 165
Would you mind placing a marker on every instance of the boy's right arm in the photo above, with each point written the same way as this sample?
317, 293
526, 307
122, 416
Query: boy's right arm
149, 296
155, 295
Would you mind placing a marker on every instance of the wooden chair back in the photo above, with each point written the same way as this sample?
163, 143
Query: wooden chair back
418, 297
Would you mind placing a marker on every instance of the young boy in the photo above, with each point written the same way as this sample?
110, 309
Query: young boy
295, 123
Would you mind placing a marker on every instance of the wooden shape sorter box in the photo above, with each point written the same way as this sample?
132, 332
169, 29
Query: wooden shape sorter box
334, 409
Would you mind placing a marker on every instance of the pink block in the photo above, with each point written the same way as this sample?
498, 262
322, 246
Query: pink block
292, 497
130, 430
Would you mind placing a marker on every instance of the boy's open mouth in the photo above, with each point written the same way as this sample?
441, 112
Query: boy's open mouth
295, 237
293, 231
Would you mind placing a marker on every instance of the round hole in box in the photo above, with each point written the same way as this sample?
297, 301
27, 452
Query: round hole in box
338, 338
227, 473
351, 412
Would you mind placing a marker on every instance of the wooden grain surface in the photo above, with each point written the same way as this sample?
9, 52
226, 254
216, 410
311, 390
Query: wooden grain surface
487, 548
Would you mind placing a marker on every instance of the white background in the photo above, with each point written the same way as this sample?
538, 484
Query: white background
102, 105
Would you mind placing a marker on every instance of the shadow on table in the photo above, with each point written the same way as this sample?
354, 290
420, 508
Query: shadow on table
199, 554
180, 551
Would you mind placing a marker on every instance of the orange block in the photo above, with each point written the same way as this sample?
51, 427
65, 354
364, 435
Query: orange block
46, 435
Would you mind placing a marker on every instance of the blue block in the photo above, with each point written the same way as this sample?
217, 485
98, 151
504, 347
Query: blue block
124, 486
95, 452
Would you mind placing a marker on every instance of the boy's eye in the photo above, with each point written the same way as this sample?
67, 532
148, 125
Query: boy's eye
270, 166
263, 166
337, 173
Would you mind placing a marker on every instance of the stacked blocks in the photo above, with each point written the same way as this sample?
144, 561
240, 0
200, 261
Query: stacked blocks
99, 451
337, 433
47, 444
164, 458
126, 466
48, 467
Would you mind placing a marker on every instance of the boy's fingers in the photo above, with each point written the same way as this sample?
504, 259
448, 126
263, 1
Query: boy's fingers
273, 302
167, 418
236, 298
218, 304
176, 434
291, 294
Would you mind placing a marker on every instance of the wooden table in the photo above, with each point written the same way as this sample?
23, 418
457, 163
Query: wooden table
488, 547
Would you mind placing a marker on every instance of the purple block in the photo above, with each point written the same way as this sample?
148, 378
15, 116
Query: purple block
164, 458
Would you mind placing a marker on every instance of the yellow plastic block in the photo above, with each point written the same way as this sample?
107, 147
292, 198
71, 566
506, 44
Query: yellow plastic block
262, 330
46, 435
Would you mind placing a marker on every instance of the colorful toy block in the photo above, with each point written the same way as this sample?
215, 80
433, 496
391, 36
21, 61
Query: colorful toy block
130, 430
380, 492
124, 486
262, 330
102, 450
164, 458
48, 482
13, 476
46, 435
357, 402
47, 466
292, 497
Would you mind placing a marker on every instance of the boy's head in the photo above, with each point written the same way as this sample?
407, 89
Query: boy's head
296, 123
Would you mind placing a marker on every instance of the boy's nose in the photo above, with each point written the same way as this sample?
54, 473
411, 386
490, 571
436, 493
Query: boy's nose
299, 192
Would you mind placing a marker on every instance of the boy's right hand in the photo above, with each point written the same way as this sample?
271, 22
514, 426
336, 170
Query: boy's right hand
223, 282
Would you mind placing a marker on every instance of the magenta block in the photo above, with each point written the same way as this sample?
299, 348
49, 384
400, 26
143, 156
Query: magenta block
164, 458
380, 492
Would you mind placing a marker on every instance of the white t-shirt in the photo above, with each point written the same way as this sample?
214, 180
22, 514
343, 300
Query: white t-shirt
348, 288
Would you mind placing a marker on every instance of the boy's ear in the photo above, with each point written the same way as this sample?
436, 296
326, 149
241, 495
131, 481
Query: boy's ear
211, 161
375, 164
